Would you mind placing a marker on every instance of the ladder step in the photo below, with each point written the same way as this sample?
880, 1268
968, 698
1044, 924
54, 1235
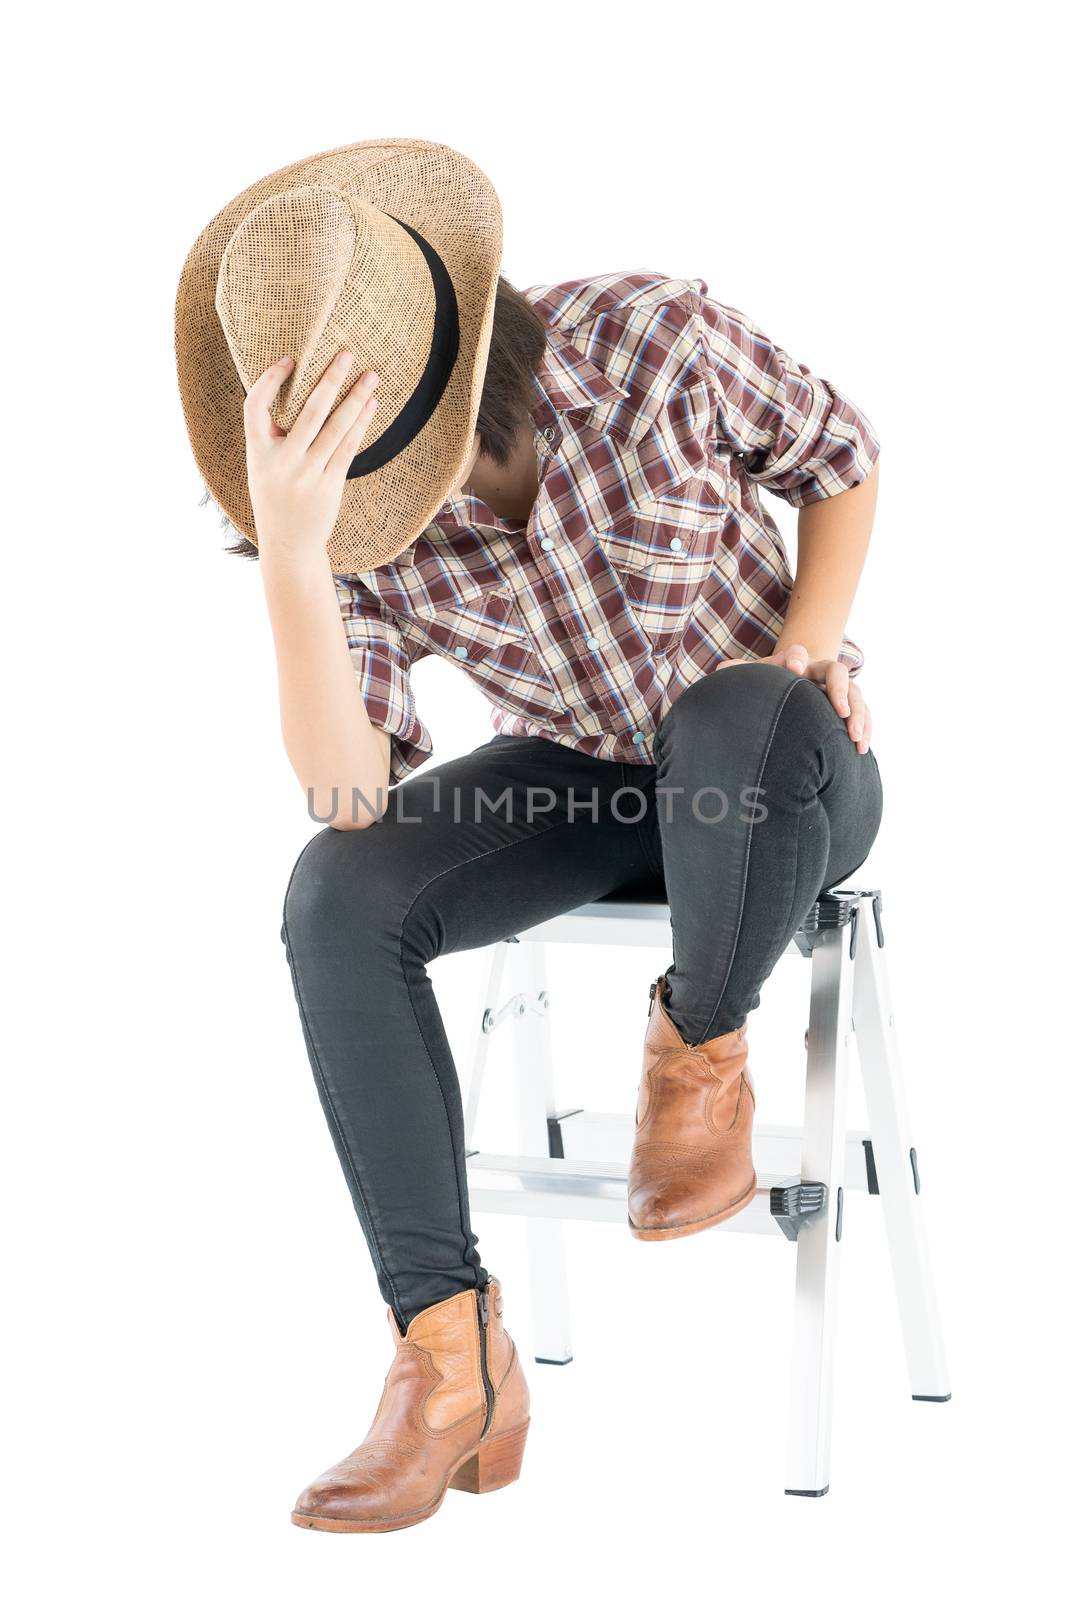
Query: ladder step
607, 1136
595, 1191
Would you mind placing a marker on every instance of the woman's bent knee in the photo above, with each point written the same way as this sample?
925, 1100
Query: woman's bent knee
810, 708
336, 882
744, 696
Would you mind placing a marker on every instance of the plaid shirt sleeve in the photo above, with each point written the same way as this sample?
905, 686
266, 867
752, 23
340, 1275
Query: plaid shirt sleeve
796, 433
382, 663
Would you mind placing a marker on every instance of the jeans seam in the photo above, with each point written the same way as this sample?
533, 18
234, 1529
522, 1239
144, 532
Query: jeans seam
334, 1119
790, 931
454, 867
748, 848
316, 1065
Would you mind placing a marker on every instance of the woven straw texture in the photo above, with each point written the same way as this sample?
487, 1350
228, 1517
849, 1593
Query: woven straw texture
308, 261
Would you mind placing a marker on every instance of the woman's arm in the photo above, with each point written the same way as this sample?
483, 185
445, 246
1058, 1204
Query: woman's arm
798, 434
295, 482
333, 746
832, 540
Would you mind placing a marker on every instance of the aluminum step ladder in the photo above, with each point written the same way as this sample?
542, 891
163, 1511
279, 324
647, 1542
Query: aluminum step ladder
574, 1163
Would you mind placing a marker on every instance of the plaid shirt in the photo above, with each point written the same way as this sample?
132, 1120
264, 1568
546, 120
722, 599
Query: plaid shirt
647, 557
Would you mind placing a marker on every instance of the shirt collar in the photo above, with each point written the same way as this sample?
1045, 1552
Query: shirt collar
569, 383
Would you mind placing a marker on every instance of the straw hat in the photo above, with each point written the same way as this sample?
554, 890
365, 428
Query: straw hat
389, 248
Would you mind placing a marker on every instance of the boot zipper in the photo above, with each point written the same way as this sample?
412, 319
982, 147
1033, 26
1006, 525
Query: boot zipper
483, 1324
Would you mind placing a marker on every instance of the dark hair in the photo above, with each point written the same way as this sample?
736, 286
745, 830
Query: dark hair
508, 393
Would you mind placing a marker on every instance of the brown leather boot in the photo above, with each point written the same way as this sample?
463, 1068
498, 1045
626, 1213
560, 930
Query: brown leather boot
691, 1163
453, 1413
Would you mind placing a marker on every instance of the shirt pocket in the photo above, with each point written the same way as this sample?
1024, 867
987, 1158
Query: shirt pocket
664, 548
484, 633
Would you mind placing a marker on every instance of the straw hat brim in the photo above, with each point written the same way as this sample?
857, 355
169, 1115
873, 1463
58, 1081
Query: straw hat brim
452, 204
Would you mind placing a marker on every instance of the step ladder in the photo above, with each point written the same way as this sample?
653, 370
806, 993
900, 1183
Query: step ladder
573, 1165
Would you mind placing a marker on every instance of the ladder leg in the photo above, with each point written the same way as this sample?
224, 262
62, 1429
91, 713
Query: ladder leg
897, 1166
818, 1246
498, 956
550, 1301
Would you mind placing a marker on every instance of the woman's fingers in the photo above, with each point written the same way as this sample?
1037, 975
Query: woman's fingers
319, 402
341, 421
259, 424
846, 697
836, 684
351, 440
859, 719
843, 692
794, 656
855, 714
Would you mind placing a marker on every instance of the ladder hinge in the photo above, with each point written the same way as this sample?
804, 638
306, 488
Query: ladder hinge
794, 1204
520, 1005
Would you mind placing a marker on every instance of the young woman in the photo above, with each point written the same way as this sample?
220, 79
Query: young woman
675, 713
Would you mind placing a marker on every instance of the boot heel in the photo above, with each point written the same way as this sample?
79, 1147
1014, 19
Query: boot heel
497, 1463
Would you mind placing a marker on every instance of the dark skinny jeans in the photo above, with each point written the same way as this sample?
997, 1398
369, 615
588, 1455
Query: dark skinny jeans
756, 803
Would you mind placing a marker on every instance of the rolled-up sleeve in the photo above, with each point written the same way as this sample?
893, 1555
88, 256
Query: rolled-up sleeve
796, 433
382, 663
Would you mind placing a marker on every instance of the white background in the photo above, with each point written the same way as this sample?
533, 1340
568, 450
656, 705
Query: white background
193, 1327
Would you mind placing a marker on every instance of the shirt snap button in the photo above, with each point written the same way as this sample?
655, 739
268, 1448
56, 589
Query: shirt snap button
593, 643
550, 433
676, 544
548, 544
461, 651
639, 738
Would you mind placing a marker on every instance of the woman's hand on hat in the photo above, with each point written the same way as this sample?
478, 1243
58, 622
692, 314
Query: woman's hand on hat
843, 692
296, 479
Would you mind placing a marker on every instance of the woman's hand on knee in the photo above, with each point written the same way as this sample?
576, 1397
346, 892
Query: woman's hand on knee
843, 692
846, 696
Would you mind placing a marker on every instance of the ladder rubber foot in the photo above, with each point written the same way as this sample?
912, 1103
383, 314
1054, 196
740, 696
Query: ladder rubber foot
812, 1494
550, 1361
937, 1397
